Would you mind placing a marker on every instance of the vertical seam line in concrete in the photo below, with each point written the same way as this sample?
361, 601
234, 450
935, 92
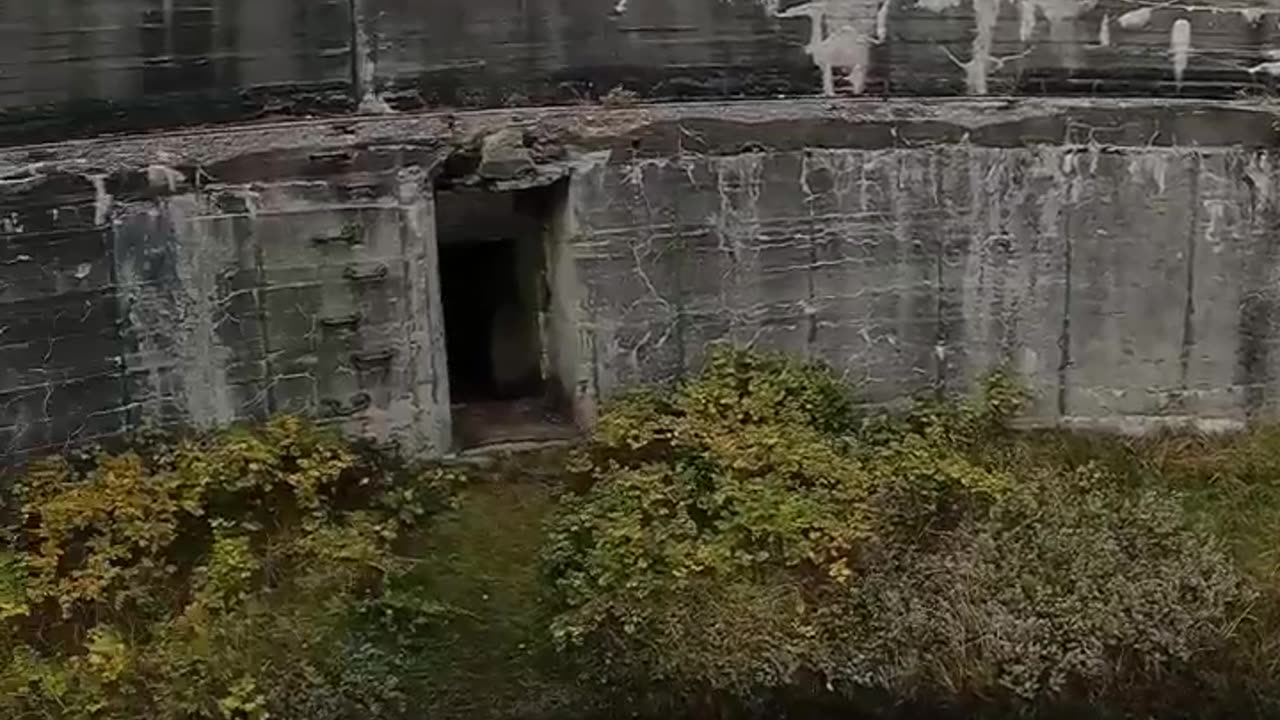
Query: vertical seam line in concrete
409, 268
595, 354
1064, 336
356, 11
811, 336
939, 328
264, 334
939, 311
1256, 375
1189, 308
681, 255
126, 401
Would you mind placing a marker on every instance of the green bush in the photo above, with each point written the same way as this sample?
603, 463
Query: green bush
710, 525
747, 535
746, 541
1073, 589
220, 576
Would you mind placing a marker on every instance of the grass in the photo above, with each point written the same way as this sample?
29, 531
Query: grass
1231, 482
491, 656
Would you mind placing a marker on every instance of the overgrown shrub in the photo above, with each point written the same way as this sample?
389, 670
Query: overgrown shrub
746, 539
220, 576
710, 524
1073, 589
747, 534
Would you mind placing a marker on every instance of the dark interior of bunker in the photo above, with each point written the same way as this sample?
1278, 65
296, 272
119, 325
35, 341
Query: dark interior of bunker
495, 295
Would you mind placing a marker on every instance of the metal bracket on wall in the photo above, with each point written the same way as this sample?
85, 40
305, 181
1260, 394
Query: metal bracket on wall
349, 235
337, 408
378, 274
361, 191
332, 156
372, 359
341, 322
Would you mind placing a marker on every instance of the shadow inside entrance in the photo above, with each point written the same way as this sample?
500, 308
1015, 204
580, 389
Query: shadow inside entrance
499, 325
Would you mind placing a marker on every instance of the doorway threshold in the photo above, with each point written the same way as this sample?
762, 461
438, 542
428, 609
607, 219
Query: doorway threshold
479, 423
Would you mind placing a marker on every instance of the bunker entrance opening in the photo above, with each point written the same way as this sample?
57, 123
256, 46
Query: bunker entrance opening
496, 299
491, 332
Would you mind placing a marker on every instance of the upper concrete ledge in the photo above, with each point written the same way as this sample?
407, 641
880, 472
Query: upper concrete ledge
76, 68
661, 129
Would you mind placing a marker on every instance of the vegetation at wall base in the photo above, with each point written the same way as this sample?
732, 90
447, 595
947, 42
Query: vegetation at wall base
747, 544
749, 535
220, 576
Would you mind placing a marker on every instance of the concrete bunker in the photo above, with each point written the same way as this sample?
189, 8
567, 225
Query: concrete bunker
503, 339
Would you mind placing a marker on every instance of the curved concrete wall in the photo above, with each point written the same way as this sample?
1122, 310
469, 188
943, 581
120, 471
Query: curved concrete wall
86, 66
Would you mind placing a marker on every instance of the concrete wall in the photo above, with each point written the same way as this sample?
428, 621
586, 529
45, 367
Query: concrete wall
161, 296
1127, 285
82, 67
1130, 281
1122, 255
485, 53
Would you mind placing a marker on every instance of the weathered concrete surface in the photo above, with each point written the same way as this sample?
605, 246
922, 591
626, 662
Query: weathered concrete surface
161, 297
81, 67
484, 53
1121, 254
1110, 277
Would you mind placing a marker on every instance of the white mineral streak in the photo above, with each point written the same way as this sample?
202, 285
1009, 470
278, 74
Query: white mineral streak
1135, 19
985, 14
1061, 15
1026, 20
1259, 173
1065, 30
1154, 166
1180, 47
1271, 68
842, 33
102, 199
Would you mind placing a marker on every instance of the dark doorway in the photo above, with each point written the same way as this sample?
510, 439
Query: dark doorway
491, 331
496, 298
